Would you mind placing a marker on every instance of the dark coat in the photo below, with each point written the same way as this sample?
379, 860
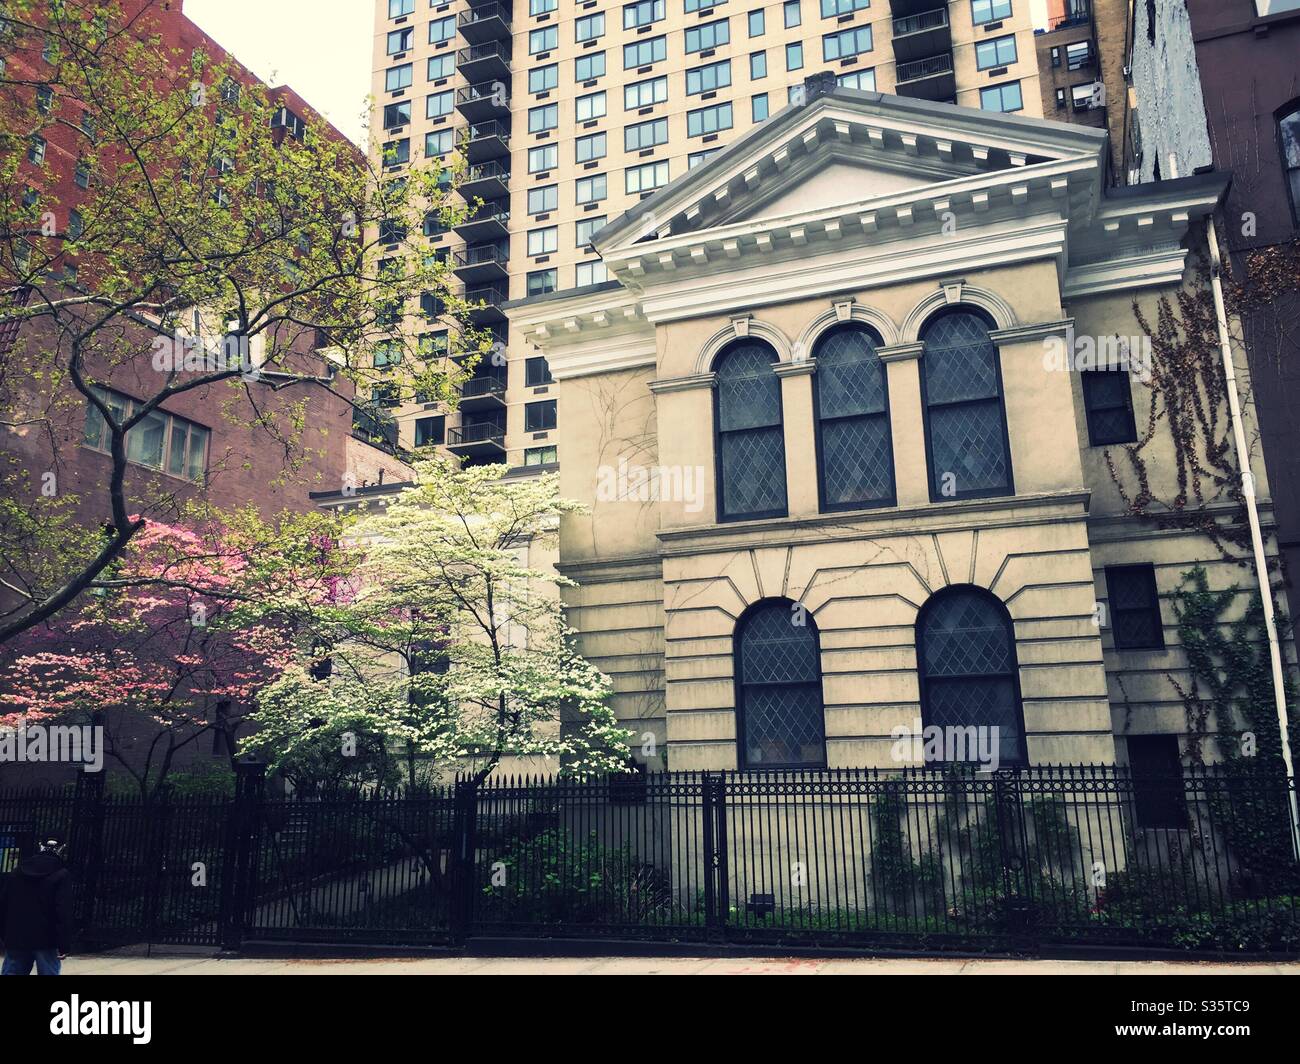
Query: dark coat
36, 905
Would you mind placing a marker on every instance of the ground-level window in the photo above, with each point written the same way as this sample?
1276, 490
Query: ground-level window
779, 717
1134, 605
1156, 770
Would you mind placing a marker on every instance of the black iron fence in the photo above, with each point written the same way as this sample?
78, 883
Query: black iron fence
915, 859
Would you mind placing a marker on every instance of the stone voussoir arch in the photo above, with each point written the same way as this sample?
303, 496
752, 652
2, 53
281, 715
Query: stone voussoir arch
743, 328
957, 295
845, 313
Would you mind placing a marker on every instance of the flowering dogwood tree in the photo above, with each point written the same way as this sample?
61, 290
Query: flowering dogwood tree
192, 623
454, 644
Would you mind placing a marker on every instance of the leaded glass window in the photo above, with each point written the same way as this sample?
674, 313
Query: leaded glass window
853, 438
966, 431
965, 647
779, 688
751, 440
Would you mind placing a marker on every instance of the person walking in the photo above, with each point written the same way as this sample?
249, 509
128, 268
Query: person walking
36, 912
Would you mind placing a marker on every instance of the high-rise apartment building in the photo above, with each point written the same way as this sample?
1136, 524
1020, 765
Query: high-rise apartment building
571, 111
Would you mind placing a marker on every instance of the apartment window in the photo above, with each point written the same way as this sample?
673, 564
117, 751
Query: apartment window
1134, 602
645, 93
440, 66
544, 241
646, 177
1082, 96
589, 27
642, 13
591, 147
543, 40
858, 79
401, 40
430, 431
699, 158
439, 142
1078, 55
708, 120
834, 8
588, 273
1056, 56
398, 8
388, 353
1001, 51
540, 416
542, 7
793, 16
856, 457
543, 199
397, 114
542, 118
442, 29
643, 53
1060, 99
846, 43
1108, 403
438, 104
44, 99
590, 106
586, 229
749, 433
540, 456
81, 175
1004, 97
780, 722
1288, 130
36, 149
642, 135
965, 422
794, 57
76, 225
397, 152
537, 372
433, 225
541, 281
691, 6
398, 77
159, 441
710, 35
757, 23
759, 107
757, 65
982, 11
591, 189
708, 78
587, 67
966, 657
546, 157
544, 78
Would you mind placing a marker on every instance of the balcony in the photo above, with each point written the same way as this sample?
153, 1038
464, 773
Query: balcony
375, 426
486, 181
490, 222
485, 62
927, 79
487, 140
488, 299
484, 263
917, 36
484, 100
480, 439
485, 22
483, 393
1078, 13
903, 8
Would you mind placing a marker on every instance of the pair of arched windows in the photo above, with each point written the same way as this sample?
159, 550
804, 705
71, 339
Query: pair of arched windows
965, 424
966, 656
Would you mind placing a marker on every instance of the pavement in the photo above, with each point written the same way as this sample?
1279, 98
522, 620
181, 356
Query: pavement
123, 963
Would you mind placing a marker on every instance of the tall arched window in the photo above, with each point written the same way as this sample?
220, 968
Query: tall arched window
779, 720
1288, 131
966, 652
751, 440
965, 424
855, 453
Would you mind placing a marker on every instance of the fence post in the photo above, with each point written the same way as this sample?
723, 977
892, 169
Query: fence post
1008, 805
713, 837
86, 844
239, 858
464, 828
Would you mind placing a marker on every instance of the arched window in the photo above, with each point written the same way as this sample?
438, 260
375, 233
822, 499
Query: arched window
751, 440
1288, 131
779, 721
965, 424
855, 453
966, 652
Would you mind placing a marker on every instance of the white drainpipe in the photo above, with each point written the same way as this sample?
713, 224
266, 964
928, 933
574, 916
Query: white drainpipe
1252, 513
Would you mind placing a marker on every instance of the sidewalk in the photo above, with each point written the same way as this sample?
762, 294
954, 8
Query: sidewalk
174, 964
